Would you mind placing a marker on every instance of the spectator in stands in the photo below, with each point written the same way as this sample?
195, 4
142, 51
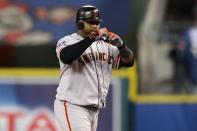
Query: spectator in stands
185, 54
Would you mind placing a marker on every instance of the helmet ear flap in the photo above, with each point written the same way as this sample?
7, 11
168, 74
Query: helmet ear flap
80, 25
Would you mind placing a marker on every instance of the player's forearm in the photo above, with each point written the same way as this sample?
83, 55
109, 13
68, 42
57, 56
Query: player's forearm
72, 52
127, 56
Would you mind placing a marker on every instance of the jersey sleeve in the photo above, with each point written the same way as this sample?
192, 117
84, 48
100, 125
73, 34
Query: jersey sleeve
61, 44
116, 56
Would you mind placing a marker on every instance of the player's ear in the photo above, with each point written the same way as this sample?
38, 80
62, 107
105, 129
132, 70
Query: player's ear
80, 25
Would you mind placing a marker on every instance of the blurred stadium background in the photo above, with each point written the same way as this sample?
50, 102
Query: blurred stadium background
151, 96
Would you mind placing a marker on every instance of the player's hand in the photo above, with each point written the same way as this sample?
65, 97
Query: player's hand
110, 37
115, 40
103, 34
92, 35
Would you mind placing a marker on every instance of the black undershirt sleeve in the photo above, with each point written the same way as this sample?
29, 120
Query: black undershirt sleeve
125, 52
72, 52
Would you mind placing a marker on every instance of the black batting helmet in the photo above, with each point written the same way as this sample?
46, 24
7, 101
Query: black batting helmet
88, 13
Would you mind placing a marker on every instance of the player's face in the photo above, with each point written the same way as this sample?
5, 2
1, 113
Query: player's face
91, 27
94, 23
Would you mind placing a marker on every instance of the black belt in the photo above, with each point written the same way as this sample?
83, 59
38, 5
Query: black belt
91, 107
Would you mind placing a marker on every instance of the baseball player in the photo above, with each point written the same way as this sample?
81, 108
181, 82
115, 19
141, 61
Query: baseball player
86, 60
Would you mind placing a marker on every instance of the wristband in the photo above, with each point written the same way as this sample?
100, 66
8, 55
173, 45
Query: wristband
122, 46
